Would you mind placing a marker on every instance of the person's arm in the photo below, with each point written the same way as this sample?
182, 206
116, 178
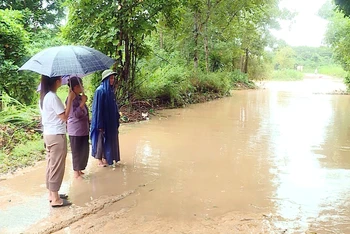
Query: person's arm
100, 124
64, 115
97, 111
81, 110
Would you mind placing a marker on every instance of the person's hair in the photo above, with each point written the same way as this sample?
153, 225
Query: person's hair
47, 85
74, 81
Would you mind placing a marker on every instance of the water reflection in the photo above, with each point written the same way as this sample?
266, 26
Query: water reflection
299, 127
147, 157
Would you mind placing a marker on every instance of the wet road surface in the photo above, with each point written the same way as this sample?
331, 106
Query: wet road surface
262, 161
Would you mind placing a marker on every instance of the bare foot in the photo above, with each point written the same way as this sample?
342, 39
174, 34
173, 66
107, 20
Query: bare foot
61, 204
100, 163
81, 173
56, 202
104, 161
76, 174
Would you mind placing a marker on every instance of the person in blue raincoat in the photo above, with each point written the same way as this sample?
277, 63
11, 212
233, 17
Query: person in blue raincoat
105, 122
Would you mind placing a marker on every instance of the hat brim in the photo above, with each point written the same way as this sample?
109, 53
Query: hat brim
107, 75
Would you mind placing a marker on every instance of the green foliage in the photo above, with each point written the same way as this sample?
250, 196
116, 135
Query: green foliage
332, 70
287, 75
24, 154
13, 48
338, 37
176, 86
260, 68
239, 80
43, 39
344, 6
313, 57
327, 10
18, 114
169, 85
118, 28
285, 58
20, 144
212, 83
37, 13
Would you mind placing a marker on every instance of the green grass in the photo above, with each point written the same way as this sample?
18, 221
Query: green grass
287, 75
24, 154
332, 70
329, 70
20, 145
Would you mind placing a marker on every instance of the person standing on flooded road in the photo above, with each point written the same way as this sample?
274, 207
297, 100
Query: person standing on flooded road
105, 122
78, 127
54, 117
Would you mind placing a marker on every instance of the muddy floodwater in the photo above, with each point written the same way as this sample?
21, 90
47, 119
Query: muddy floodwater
275, 160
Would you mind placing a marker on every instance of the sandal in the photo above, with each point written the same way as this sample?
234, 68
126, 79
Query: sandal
64, 203
62, 196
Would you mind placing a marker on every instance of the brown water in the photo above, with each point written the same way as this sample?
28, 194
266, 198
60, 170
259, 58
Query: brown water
261, 161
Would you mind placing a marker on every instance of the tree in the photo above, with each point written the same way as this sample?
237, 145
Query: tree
117, 28
230, 31
285, 58
344, 6
338, 37
36, 13
13, 44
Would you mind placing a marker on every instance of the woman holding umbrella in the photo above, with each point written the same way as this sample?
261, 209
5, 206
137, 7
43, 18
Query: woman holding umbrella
54, 117
105, 122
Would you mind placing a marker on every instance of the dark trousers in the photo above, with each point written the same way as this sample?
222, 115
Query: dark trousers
80, 151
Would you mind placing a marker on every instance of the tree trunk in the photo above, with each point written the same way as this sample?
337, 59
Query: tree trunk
127, 58
196, 36
120, 55
119, 52
242, 63
246, 61
0, 100
206, 48
133, 63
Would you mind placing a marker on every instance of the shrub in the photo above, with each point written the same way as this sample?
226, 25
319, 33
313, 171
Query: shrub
332, 70
287, 75
212, 83
169, 85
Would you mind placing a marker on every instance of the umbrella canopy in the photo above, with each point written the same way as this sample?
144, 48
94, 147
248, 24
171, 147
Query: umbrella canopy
63, 60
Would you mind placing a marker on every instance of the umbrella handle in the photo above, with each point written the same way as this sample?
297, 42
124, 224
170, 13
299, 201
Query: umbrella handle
82, 88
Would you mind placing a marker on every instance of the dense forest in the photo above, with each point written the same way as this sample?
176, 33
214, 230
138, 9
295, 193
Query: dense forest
168, 52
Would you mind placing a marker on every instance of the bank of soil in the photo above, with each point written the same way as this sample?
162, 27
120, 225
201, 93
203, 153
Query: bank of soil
138, 110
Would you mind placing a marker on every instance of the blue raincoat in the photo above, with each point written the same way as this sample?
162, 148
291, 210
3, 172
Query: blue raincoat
105, 115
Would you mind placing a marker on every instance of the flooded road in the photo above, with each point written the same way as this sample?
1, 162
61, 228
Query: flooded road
261, 161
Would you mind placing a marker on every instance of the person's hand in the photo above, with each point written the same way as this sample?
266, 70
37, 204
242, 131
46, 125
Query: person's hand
83, 98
